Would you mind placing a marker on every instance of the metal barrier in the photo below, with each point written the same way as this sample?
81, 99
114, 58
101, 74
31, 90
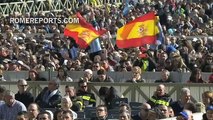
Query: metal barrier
139, 92
46, 5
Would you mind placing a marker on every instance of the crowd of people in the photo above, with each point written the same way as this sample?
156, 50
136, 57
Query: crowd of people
28, 47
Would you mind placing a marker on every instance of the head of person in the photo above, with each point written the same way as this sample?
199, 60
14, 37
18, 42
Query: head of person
171, 112
195, 75
163, 112
124, 107
22, 116
70, 91
33, 110
66, 103
207, 98
165, 74
209, 112
185, 115
67, 115
136, 71
83, 86
33, 74
160, 90
145, 110
53, 84
44, 116
124, 115
22, 85
185, 95
190, 106
9, 97
88, 73
96, 66
101, 75
2, 90
101, 111
61, 72
58, 114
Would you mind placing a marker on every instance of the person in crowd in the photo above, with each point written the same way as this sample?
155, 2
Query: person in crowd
209, 113
58, 114
50, 96
83, 93
66, 104
185, 97
23, 95
190, 106
125, 115
196, 77
34, 76
2, 90
143, 114
62, 75
136, 77
88, 75
33, 110
171, 111
77, 101
102, 77
11, 107
163, 112
2, 76
160, 97
44, 116
101, 113
124, 107
165, 77
22, 116
207, 98
107, 67
67, 115
185, 115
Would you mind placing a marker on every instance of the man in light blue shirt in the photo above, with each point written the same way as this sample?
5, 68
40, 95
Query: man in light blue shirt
11, 107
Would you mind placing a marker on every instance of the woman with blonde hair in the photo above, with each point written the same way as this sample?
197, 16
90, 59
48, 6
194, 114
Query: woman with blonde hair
66, 104
136, 77
207, 98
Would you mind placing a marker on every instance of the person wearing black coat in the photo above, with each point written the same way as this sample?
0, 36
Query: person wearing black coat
49, 97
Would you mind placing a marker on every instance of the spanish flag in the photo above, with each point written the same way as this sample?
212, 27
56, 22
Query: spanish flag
142, 30
83, 32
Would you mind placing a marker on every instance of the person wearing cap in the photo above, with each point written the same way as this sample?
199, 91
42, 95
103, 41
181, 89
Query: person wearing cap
185, 115
209, 113
103, 77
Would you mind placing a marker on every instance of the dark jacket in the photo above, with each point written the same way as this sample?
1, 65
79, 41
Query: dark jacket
177, 107
162, 81
159, 100
87, 97
26, 98
53, 101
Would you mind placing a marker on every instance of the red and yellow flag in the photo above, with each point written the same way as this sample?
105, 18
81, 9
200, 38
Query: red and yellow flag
83, 32
143, 30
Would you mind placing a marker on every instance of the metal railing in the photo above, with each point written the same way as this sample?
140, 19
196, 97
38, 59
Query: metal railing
46, 5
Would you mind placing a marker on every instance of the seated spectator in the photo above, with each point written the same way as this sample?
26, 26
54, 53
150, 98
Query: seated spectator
88, 75
57, 115
22, 116
196, 77
62, 75
2, 90
160, 97
23, 95
101, 113
136, 77
125, 115
50, 96
33, 110
124, 107
163, 112
106, 66
143, 114
102, 77
207, 98
67, 115
11, 107
87, 97
185, 115
96, 66
185, 97
66, 104
44, 116
209, 113
34, 76
165, 77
